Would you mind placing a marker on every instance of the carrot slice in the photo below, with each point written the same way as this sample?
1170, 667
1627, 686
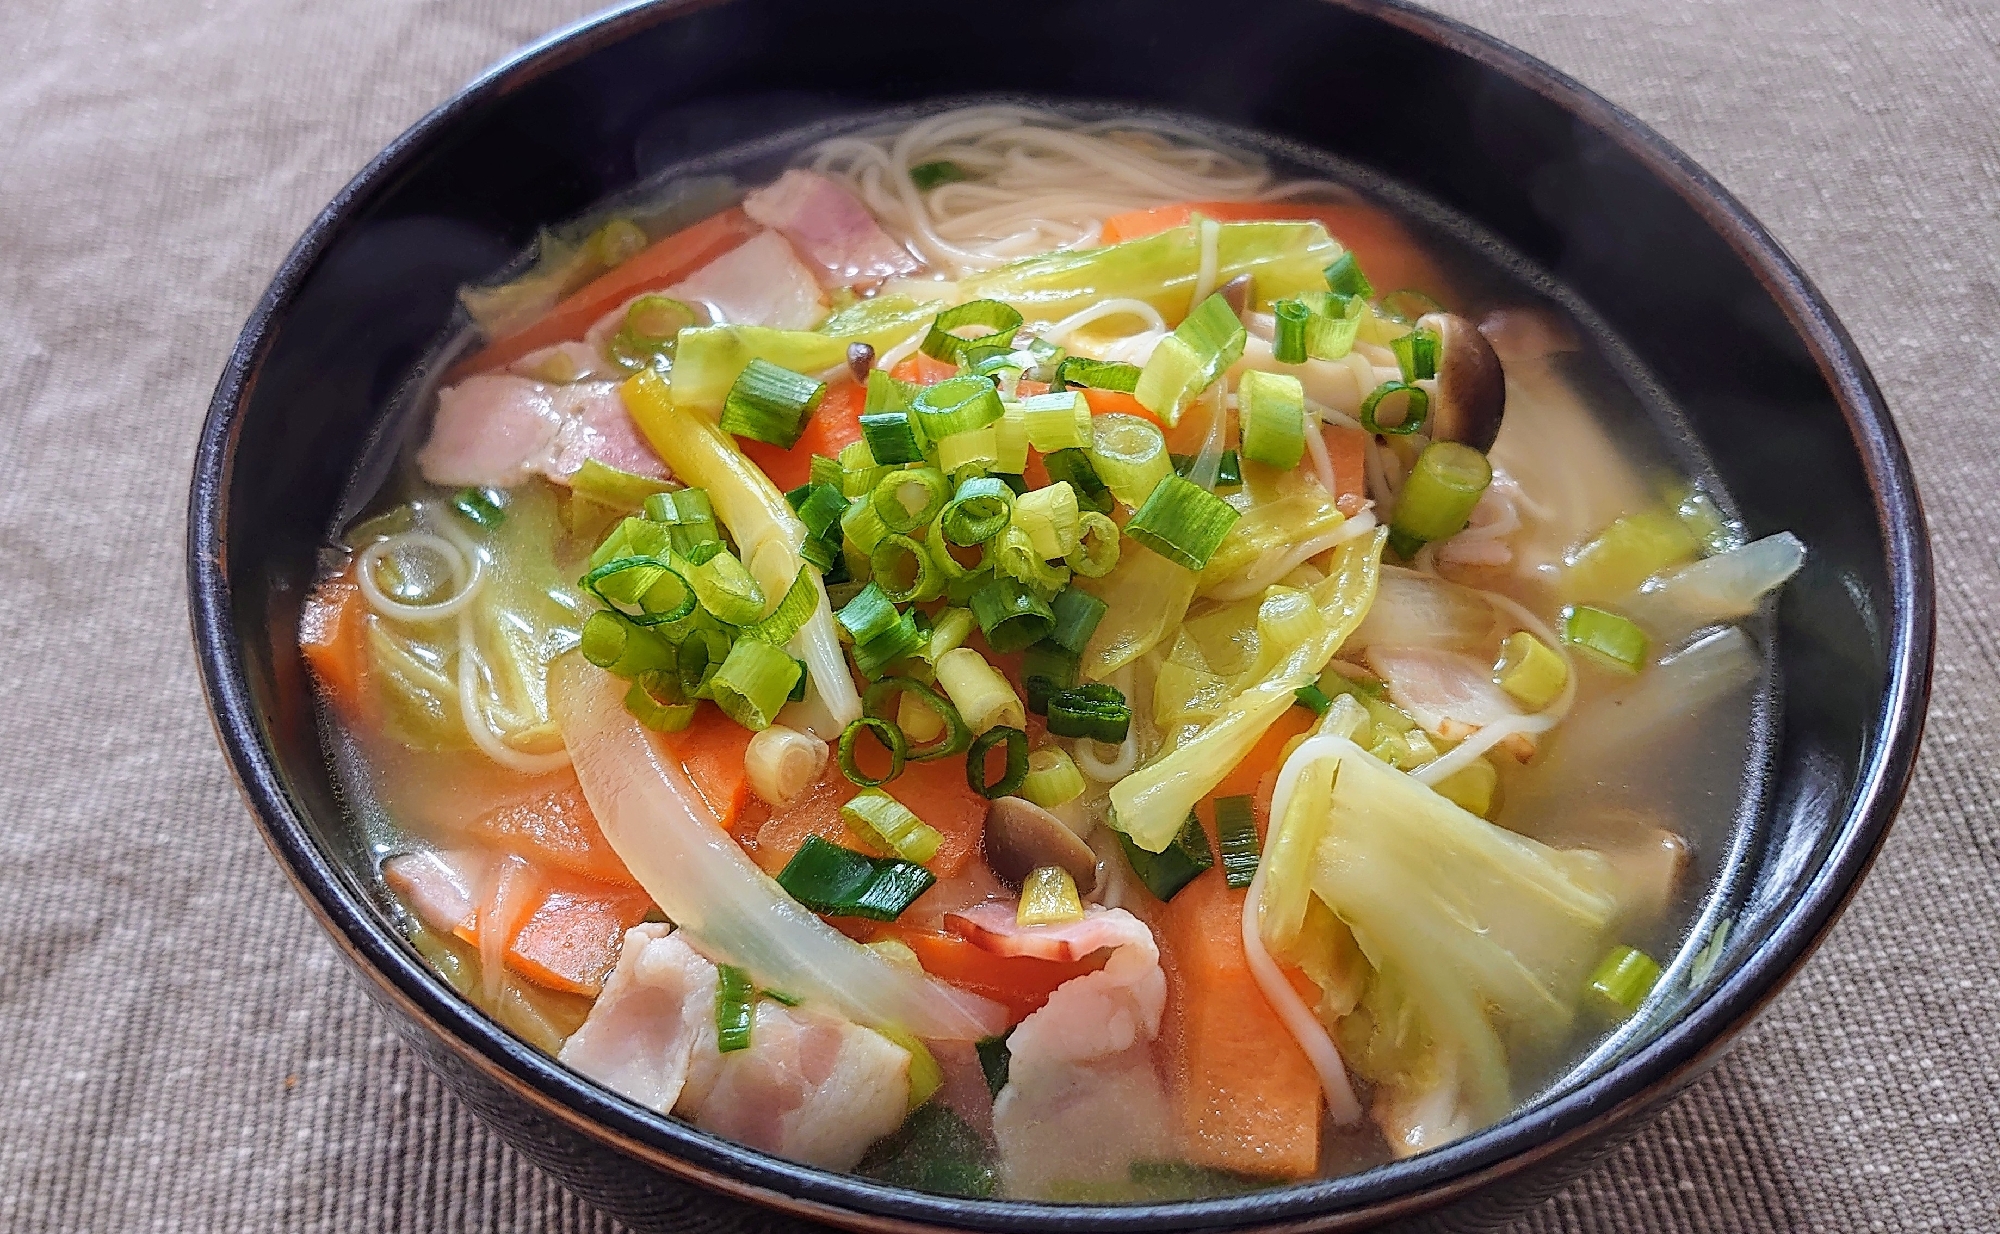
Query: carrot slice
555, 828
1266, 754
923, 370
711, 749
1347, 450
1245, 1098
1380, 242
935, 791
1108, 402
660, 265
570, 942
831, 429
1021, 984
333, 636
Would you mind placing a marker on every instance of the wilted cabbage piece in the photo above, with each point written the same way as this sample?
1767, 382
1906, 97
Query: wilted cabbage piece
1477, 941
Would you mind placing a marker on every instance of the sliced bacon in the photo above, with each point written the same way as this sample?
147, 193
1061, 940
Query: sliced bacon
991, 927
1449, 694
498, 429
831, 228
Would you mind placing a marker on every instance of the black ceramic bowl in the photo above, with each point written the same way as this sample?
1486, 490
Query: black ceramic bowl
1709, 305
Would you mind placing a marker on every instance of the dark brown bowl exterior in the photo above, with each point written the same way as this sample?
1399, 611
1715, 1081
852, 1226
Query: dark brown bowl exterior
1714, 310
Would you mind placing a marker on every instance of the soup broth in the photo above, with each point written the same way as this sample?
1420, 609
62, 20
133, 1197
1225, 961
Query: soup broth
1046, 656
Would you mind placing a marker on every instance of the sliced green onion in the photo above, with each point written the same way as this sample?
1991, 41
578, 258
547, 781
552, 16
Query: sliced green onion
824, 470
1097, 374
1013, 554
981, 694
1045, 670
1335, 322
1072, 467
1076, 616
890, 738
904, 570
688, 516
1605, 638
726, 589
1623, 980
1530, 670
800, 601
1313, 699
1228, 472
909, 498
955, 405
942, 556
1175, 866
1010, 438
1096, 552
1406, 305
868, 615
977, 512
960, 591
976, 448
735, 1008
614, 644
1417, 355
1050, 516
1288, 344
1188, 361
1345, 278
769, 403
886, 393
755, 680
650, 710
608, 486
482, 507
1272, 408
651, 328
1236, 836
949, 630
900, 640
1438, 496
955, 738
878, 818
1053, 778
1416, 408
1092, 710
821, 510
1059, 420
994, 1058
1048, 897
927, 176
891, 437
1016, 769
1130, 455
697, 659
782, 999
647, 591
944, 342
1182, 522
861, 527
840, 882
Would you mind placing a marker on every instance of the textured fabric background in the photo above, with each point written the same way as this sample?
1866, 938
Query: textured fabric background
180, 1049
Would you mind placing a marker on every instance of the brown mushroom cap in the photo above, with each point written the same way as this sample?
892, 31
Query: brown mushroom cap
1471, 387
1021, 837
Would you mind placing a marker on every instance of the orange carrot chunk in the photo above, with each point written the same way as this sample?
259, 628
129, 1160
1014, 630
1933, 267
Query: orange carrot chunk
1346, 449
711, 749
570, 942
333, 636
555, 828
1245, 1098
833, 426
664, 263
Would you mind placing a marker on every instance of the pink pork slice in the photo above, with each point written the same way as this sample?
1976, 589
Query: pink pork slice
498, 429
831, 229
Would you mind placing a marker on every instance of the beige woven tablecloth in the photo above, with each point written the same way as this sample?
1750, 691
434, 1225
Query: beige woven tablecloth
181, 1050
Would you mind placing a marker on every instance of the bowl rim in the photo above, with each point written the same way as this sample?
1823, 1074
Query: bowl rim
1649, 1073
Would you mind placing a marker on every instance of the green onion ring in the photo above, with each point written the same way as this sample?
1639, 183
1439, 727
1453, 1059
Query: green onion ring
1017, 762
1413, 419
892, 740
884, 693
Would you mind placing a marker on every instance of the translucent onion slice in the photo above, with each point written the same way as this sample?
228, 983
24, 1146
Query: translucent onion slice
733, 912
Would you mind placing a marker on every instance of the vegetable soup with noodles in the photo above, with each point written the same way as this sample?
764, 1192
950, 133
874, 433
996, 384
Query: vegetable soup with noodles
1047, 658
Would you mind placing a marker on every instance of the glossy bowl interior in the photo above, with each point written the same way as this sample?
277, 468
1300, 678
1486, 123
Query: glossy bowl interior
1710, 308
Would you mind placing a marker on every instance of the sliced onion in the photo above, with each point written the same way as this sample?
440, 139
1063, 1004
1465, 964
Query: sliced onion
1419, 609
1721, 588
733, 912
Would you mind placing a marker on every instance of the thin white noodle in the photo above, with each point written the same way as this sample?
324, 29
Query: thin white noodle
1061, 330
1332, 415
1262, 575
1360, 525
465, 577
1378, 478
1298, 1018
900, 352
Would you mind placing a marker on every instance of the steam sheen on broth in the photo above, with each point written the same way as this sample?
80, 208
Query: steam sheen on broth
1044, 658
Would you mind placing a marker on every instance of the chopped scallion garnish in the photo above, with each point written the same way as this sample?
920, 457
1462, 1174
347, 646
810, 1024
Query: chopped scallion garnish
955, 405
887, 735
1048, 897
1059, 420
1272, 408
955, 737
944, 342
1076, 616
1623, 980
1182, 522
878, 818
891, 437
1015, 771
904, 570
1288, 343
1130, 455
927, 176
1236, 836
1009, 615
1072, 467
735, 1008
1605, 638
867, 615
482, 507
792, 613
1438, 495
1313, 699
910, 497
1092, 710
770, 404
1096, 374
754, 681
1053, 778
1417, 355
1416, 408
1175, 866
840, 882
1046, 669
1344, 277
